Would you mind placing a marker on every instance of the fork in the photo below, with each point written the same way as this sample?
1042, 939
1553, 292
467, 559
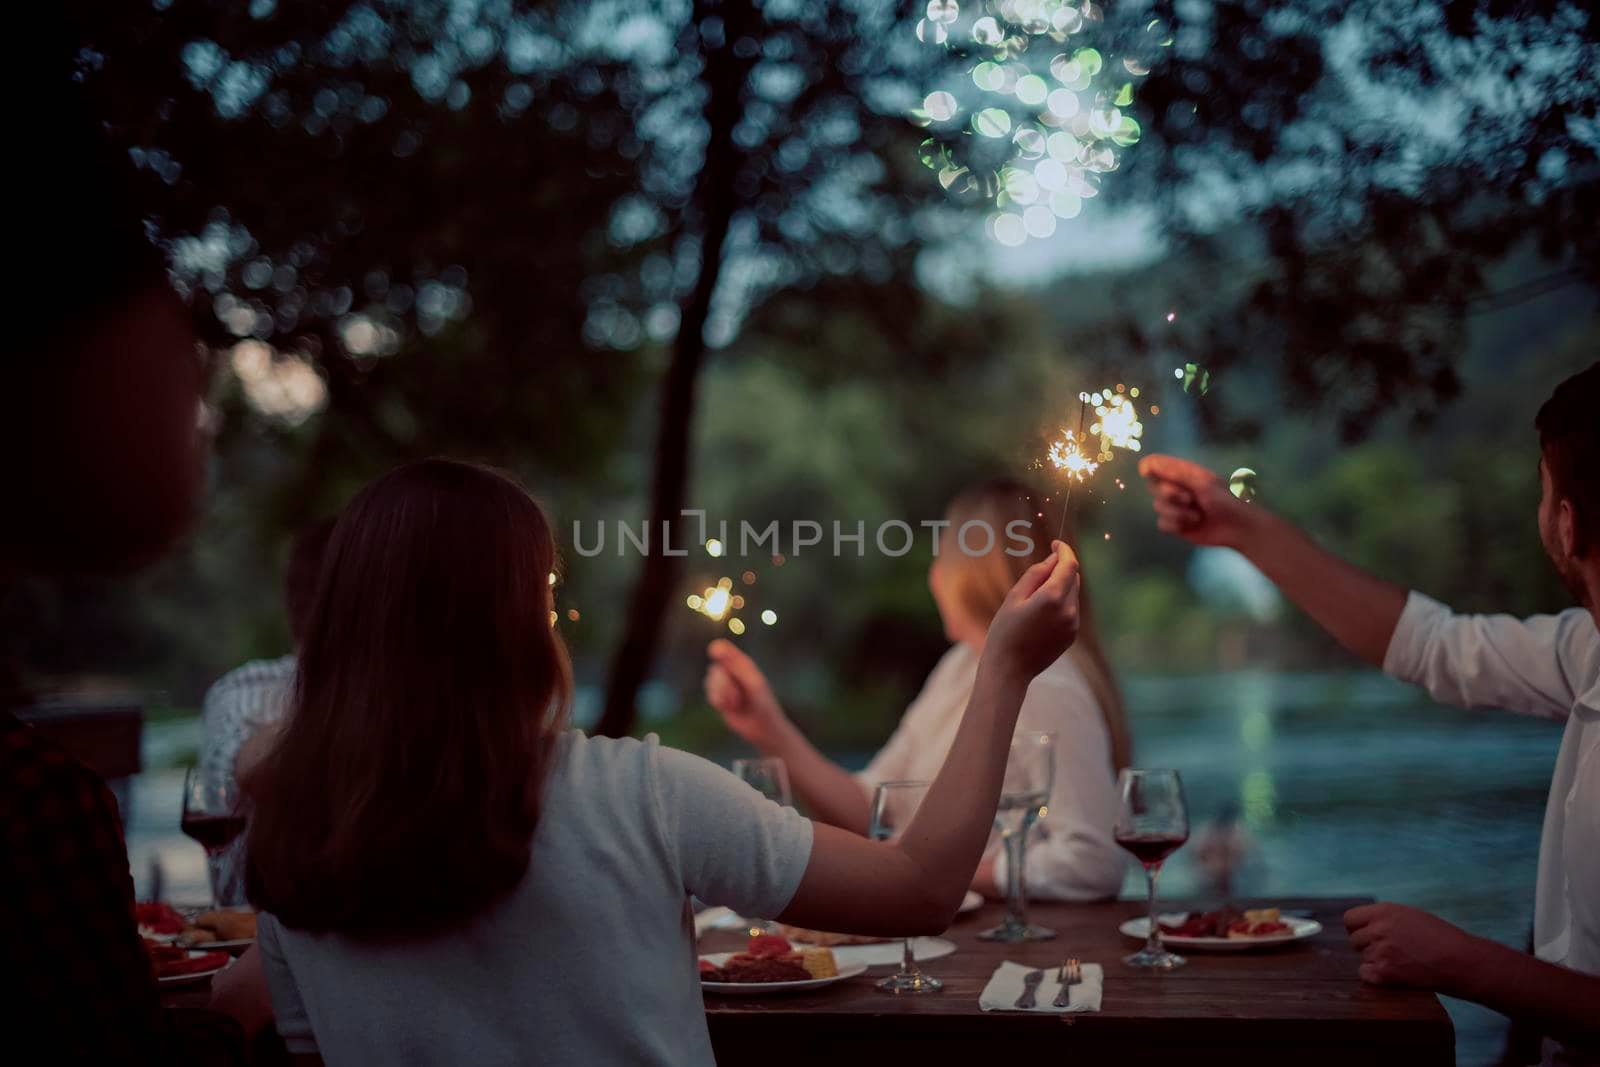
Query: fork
1070, 974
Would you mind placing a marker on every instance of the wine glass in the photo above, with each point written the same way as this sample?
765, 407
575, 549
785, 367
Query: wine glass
1024, 796
893, 805
768, 776
213, 813
1152, 823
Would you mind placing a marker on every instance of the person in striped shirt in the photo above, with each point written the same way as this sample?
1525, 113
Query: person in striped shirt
244, 706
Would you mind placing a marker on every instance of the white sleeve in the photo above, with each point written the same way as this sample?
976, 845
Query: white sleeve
732, 845
1071, 854
288, 1010
1533, 665
1581, 835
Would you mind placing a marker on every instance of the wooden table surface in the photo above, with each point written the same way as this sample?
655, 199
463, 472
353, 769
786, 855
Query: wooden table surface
1301, 1004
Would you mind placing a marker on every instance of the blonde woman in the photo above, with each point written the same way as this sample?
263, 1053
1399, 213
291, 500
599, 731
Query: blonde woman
1071, 854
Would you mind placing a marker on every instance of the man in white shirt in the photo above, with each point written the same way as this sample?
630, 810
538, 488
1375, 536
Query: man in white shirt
1548, 665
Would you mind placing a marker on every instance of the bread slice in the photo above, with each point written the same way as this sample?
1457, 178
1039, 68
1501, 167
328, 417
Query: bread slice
818, 962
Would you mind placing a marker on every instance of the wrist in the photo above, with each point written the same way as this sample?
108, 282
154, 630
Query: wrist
777, 734
1469, 970
1003, 684
1254, 531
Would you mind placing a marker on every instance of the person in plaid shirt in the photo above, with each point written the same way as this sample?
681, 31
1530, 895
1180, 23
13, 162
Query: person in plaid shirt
67, 898
103, 386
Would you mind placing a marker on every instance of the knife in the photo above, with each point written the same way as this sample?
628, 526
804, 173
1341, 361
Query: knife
1030, 985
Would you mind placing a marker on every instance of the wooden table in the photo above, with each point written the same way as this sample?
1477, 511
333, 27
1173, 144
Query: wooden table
1300, 1005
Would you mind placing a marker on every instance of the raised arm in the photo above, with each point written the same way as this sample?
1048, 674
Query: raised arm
913, 885
736, 687
1359, 609
1525, 665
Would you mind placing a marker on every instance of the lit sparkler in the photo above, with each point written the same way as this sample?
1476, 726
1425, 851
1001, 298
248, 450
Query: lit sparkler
1117, 427
719, 603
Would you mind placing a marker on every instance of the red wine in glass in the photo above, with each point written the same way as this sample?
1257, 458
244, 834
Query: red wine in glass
1152, 823
212, 812
1151, 848
213, 832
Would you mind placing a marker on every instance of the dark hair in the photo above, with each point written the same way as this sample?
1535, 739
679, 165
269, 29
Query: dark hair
1569, 437
403, 795
306, 550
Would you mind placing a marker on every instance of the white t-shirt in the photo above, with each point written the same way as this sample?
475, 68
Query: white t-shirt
590, 959
1071, 853
1549, 666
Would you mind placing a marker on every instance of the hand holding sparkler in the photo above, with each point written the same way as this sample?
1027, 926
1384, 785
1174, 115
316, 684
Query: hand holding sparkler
737, 688
1038, 620
1194, 503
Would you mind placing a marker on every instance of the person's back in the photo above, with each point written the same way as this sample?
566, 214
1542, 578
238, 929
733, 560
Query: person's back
591, 958
446, 874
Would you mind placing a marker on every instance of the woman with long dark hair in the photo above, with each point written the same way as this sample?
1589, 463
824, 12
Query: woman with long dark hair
448, 874
1072, 856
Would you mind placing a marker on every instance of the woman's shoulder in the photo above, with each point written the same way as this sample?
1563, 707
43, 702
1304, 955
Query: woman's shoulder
577, 752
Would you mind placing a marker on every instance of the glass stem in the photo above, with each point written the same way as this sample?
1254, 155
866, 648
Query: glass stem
1016, 846
908, 962
1152, 944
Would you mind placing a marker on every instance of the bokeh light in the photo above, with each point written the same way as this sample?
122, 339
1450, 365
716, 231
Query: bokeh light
1046, 99
1242, 484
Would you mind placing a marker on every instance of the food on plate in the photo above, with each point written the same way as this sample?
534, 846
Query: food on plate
827, 940
223, 925
169, 961
1258, 922
1230, 923
155, 917
768, 946
769, 958
819, 962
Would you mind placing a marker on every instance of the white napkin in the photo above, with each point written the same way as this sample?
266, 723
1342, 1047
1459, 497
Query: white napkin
1006, 986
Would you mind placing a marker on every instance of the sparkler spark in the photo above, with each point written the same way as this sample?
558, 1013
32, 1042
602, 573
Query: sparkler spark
1066, 455
716, 602
1119, 425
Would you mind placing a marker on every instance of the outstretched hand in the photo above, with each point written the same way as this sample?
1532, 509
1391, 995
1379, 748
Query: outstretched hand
1193, 502
1039, 619
736, 687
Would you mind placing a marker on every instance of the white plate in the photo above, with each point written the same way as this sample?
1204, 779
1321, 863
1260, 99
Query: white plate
203, 946
1299, 930
198, 976
890, 953
762, 989
206, 946
971, 902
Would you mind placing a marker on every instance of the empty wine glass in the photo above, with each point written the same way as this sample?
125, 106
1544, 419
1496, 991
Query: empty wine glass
1024, 797
893, 806
1152, 823
768, 776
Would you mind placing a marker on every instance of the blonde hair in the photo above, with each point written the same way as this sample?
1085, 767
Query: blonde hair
980, 583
